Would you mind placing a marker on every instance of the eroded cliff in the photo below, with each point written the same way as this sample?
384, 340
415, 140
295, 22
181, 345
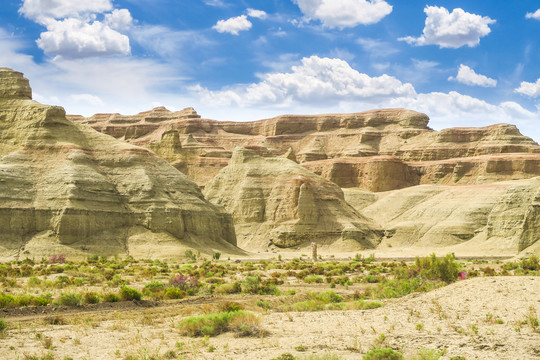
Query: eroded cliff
65, 188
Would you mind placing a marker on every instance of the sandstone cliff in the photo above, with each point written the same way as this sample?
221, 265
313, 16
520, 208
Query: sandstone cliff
276, 202
65, 188
378, 150
499, 218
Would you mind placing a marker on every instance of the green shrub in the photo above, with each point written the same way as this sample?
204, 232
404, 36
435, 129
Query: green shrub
7, 300
229, 306
129, 294
70, 299
3, 325
254, 285
216, 255
395, 288
428, 354
42, 300
531, 263
232, 288
91, 297
111, 297
214, 324
434, 268
313, 279
175, 293
365, 305
327, 297
382, 354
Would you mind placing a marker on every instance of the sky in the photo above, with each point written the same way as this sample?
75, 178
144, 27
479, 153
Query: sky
462, 62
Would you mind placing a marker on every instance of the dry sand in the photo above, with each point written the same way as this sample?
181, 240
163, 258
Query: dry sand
480, 318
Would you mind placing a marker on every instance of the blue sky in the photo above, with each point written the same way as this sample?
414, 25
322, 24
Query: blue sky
463, 62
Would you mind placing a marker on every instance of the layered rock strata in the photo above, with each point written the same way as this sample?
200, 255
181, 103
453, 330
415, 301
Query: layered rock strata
277, 203
499, 218
67, 189
378, 150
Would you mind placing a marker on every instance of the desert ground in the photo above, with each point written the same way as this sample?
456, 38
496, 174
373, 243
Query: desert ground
493, 314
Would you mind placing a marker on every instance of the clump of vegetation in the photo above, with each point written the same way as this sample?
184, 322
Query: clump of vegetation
433, 268
70, 299
242, 322
383, 354
129, 294
254, 285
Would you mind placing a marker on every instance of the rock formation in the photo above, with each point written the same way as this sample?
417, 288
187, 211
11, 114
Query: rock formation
498, 218
67, 189
276, 202
377, 150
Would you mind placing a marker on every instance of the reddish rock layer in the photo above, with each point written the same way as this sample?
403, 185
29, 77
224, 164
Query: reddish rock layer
377, 150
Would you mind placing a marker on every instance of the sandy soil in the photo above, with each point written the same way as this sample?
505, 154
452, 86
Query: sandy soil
480, 318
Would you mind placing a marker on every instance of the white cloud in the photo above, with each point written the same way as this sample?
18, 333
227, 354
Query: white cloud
259, 14
451, 30
216, 3
377, 48
74, 38
345, 13
529, 89
57, 9
119, 19
233, 25
316, 81
534, 15
468, 76
89, 99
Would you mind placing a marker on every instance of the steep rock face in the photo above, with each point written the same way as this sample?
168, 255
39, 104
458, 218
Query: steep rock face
65, 188
275, 201
378, 150
499, 218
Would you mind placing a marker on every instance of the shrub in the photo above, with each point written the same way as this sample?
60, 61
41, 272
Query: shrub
232, 288
129, 294
365, 305
229, 306
428, 354
531, 263
214, 324
254, 285
57, 259
42, 300
313, 279
434, 268
70, 299
3, 325
174, 293
154, 287
184, 282
91, 298
216, 255
383, 354
7, 300
111, 297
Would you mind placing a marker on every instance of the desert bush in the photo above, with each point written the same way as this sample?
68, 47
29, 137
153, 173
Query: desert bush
3, 325
428, 354
232, 288
7, 300
214, 324
129, 294
229, 306
365, 305
434, 268
313, 279
383, 354
42, 300
57, 259
186, 283
395, 288
530, 263
91, 297
70, 299
175, 293
254, 285
111, 297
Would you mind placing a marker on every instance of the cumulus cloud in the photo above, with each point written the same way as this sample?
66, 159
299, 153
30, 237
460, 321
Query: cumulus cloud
233, 25
451, 30
42, 9
259, 14
534, 15
119, 19
74, 38
316, 80
344, 13
468, 76
529, 89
